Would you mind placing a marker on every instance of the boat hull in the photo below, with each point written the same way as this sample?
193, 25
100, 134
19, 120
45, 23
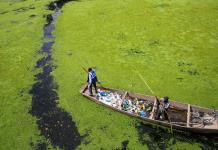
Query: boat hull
148, 120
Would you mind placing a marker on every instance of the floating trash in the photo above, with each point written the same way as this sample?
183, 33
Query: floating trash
135, 106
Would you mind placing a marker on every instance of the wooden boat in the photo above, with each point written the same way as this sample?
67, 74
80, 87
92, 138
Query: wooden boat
183, 117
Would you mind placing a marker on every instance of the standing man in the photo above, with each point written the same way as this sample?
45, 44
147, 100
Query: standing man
92, 79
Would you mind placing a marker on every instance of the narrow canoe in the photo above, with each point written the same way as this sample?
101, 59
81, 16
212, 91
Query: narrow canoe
183, 117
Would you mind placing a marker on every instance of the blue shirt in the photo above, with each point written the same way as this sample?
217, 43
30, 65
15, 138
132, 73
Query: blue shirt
92, 77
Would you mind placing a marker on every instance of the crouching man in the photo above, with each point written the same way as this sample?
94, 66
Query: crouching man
163, 108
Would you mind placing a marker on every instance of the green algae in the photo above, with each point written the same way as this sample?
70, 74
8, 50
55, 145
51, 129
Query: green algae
21, 24
173, 44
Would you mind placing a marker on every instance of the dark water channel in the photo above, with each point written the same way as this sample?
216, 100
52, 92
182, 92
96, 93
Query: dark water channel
53, 122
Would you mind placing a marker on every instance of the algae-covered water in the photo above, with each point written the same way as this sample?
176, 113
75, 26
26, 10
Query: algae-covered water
172, 44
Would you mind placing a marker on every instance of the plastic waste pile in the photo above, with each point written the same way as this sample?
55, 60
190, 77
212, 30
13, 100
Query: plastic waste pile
109, 98
138, 107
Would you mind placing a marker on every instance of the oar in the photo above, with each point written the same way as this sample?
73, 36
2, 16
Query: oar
144, 81
171, 127
84, 69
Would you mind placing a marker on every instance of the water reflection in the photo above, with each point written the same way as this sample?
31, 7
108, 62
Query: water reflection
158, 138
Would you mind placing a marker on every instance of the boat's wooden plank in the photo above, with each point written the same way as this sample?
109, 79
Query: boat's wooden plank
143, 97
200, 109
153, 110
188, 116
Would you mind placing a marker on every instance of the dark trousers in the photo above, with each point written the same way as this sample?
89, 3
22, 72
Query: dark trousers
163, 114
90, 88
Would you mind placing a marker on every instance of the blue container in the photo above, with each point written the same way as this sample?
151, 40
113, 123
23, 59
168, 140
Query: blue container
143, 114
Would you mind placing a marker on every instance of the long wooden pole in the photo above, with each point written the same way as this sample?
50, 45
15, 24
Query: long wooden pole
171, 126
144, 81
85, 69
